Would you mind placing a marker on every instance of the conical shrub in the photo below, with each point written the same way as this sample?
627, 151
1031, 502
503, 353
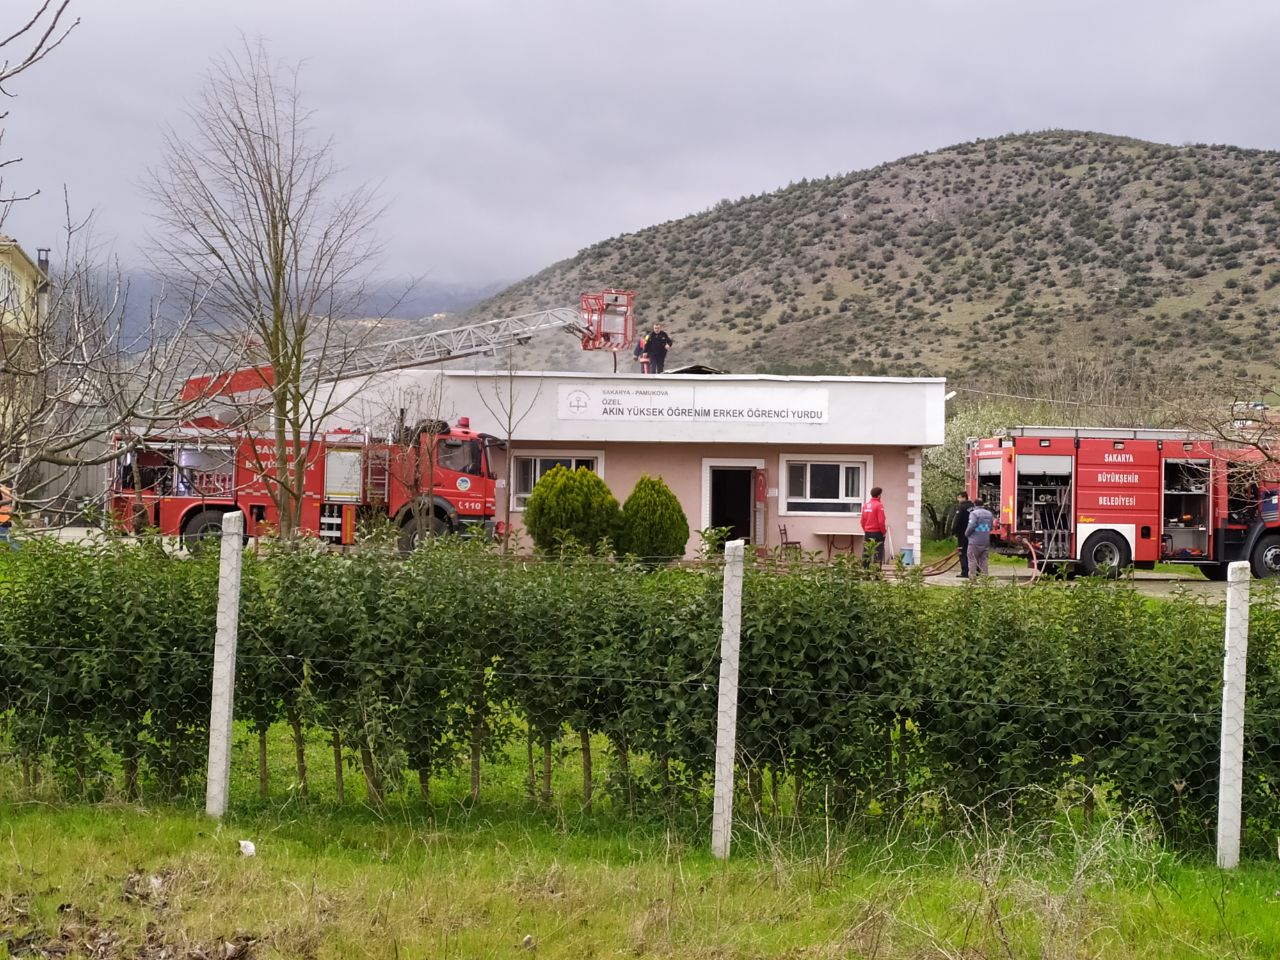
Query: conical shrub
571, 505
654, 527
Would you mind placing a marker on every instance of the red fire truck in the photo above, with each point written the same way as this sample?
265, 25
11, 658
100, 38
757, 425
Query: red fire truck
184, 480
427, 479
1107, 499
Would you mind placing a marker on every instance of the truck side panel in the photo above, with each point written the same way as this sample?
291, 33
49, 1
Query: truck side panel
1118, 484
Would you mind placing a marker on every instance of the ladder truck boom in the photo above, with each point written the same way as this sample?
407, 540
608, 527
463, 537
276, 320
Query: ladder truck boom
424, 349
603, 321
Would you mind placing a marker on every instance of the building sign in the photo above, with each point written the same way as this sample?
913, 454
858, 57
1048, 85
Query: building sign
710, 403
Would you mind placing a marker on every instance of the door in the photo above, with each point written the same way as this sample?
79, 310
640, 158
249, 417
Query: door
732, 498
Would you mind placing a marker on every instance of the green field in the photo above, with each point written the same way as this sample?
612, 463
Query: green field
508, 877
453, 881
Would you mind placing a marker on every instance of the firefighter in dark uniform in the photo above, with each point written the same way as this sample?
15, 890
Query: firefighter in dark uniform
960, 523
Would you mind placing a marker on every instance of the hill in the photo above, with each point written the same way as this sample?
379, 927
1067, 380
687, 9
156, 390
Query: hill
981, 261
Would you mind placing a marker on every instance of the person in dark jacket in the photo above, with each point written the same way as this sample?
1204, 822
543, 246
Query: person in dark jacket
959, 524
656, 345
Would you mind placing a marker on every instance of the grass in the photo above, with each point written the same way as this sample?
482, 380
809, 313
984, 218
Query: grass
464, 884
933, 550
506, 877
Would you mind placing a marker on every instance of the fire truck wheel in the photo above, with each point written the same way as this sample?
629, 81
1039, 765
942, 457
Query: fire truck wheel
1265, 560
1105, 554
202, 528
410, 532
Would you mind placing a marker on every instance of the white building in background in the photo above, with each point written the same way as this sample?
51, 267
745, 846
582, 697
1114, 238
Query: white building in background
762, 455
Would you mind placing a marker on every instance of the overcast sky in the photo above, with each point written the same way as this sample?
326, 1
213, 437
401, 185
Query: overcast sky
508, 135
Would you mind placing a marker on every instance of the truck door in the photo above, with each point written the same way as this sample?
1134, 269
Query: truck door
1118, 495
343, 492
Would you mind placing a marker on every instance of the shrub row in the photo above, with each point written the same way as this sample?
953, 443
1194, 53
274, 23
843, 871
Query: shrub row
857, 694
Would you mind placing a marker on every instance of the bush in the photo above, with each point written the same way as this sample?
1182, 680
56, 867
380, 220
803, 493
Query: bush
571, 505
654, 526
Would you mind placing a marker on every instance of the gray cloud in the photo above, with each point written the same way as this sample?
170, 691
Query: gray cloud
506, 134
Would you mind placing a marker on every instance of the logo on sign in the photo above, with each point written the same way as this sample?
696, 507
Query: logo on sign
578, 401
464, 483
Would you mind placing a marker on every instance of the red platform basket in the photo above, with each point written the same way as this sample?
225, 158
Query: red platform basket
608, 319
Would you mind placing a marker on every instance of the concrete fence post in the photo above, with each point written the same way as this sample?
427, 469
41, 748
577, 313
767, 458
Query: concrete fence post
1231, 762
727, 707
224, 665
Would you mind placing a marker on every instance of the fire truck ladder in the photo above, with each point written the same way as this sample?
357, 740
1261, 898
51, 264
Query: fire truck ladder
427, 348
603, 321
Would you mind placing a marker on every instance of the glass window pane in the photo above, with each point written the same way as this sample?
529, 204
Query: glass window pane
853, 483
588, 462
824, 481
524, 475
546, 463
795, 479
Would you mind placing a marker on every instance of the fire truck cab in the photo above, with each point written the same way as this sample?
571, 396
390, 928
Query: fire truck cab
1106, 499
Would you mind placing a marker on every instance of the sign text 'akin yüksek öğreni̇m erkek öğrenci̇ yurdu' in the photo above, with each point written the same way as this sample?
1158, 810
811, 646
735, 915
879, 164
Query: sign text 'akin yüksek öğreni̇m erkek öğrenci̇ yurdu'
693, 402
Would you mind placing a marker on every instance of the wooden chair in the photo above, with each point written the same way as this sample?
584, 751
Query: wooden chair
784, 542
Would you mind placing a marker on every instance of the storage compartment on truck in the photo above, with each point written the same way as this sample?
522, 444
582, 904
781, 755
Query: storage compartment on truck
1185, 503
1043, 503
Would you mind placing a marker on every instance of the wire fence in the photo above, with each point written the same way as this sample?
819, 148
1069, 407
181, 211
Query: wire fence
460, 676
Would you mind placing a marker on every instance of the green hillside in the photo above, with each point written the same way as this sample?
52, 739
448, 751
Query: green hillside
980, 261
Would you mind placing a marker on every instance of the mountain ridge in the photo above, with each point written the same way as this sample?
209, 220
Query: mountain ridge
988, 256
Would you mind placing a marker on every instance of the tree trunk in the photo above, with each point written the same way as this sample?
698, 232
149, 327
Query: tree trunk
798, 774
373, 783
585, 736
546, 768
902, 763
530, 776
299, 749
477, 750
424, 784
130, 762
264, 782
755, 786
340, 786
624, 768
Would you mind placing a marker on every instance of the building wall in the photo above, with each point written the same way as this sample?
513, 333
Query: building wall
683, 468
20, 316
20, 281
672, 425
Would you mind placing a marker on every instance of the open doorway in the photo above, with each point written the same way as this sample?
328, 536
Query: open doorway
731, 500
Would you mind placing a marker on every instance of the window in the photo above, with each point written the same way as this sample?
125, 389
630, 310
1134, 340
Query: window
830, 486
461, 456
528, 470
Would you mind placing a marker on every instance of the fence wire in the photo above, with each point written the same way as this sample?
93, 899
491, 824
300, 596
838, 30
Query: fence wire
455, 675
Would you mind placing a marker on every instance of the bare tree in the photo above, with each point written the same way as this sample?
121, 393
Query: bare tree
76, 369
509, 409
24, 45
1241, 412
251, 222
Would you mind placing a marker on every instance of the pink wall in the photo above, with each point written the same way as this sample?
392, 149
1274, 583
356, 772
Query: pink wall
681, 466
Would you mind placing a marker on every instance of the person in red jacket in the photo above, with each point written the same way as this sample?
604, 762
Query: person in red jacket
873, 529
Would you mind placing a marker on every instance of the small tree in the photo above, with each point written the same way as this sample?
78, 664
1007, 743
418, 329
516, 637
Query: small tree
654, 526
571, 505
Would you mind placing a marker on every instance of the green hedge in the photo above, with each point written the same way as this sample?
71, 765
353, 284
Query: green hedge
860, 696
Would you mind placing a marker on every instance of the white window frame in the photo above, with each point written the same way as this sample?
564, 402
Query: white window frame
864, 460
8, 287
521, 453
